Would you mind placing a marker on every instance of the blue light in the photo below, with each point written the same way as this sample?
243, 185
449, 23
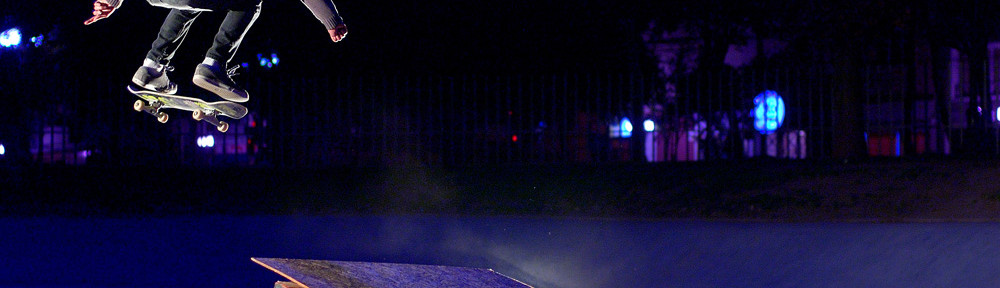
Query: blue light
768, 112
649, 125
38, 40
626, 127
274, 58
10, 38
898, 148
263, 62
245, 64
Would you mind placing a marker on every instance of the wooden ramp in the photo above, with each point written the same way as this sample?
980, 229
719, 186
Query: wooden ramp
338, 274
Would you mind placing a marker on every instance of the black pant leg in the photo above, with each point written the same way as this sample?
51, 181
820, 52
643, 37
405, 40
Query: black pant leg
238, 21
172, 33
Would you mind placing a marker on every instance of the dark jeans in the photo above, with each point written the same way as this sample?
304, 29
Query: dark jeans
175, 28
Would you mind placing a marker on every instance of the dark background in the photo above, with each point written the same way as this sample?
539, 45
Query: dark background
406, 36
149, 204
448, 38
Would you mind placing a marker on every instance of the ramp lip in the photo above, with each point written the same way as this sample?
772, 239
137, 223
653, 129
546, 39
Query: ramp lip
258, 261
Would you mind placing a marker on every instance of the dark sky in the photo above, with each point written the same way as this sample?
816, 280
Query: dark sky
438, 36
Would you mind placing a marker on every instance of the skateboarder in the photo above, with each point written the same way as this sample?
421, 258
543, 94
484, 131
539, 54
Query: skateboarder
212, 73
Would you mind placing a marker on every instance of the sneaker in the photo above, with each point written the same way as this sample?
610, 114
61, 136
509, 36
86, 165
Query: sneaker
213, 79
155, 79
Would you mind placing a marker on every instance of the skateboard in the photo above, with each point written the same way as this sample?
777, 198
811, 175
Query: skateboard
336, 274
154, 102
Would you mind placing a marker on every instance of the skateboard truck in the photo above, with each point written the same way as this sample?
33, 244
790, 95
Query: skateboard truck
211, 117
153, 109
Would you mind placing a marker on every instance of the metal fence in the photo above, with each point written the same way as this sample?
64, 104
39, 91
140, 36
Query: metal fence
364, 120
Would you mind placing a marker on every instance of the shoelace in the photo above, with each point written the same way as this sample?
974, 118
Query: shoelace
232, 71
168, 68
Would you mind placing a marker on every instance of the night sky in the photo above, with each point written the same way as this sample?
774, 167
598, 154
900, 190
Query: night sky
408, 37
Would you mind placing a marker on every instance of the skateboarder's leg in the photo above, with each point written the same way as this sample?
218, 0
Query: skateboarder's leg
172, 33
236, 25
152, 75
211, 74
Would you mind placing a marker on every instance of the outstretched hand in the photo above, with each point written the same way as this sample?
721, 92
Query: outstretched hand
101, 10
338, 33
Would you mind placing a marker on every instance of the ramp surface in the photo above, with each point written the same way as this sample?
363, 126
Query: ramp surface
340, 274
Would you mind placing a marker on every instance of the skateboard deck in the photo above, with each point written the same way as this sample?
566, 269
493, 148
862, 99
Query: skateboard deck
153, 102
338, 274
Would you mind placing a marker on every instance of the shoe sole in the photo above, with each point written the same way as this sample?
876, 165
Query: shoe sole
211, 86
149, 87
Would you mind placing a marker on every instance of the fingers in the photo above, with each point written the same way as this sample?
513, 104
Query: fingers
101, 10
91, 20
97, 16
339, 33
102, 7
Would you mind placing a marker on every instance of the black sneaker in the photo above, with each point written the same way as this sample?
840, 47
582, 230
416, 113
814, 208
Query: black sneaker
213, 79
155, 79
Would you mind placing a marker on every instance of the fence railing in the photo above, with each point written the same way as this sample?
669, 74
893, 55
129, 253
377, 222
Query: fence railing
362, 120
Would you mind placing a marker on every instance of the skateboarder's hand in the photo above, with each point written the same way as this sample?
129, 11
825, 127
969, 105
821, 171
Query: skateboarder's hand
338, 33
102, 9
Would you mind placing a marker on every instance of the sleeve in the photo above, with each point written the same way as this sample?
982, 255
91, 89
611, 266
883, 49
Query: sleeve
114, 3
324, 10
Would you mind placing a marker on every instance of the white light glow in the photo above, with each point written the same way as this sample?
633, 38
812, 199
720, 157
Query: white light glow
206, 141
649, 125
2, 150
10, 38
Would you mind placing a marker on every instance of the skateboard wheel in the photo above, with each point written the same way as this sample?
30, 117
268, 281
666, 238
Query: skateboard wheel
198, 115
162, 117
223, 126
138, 105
